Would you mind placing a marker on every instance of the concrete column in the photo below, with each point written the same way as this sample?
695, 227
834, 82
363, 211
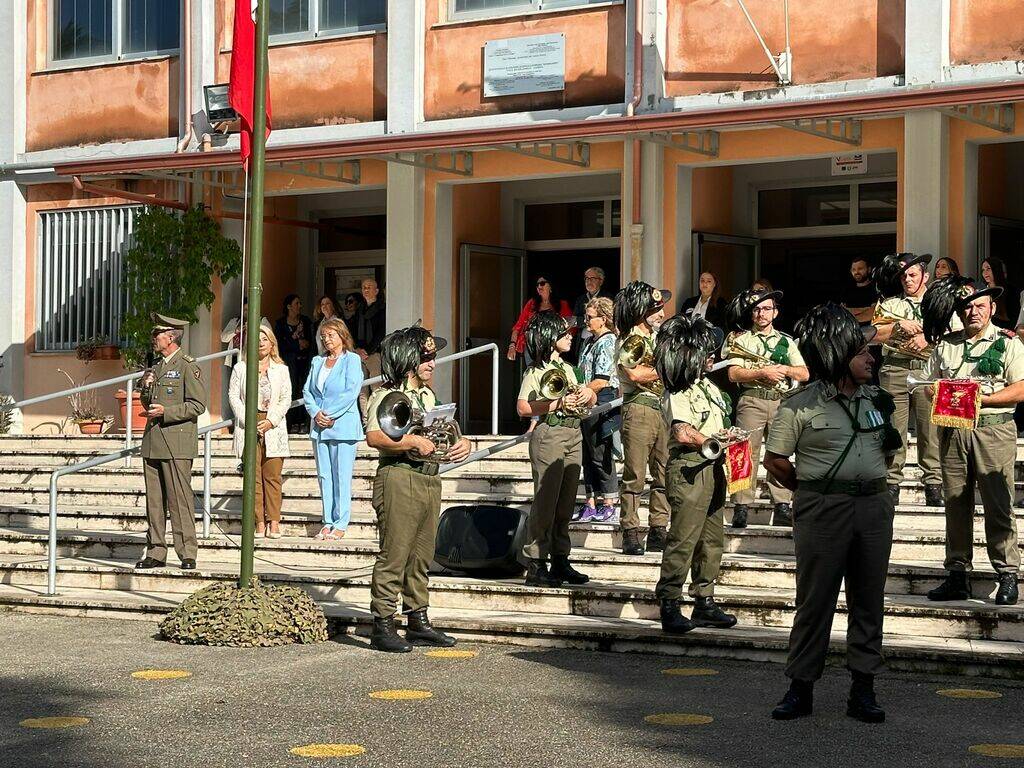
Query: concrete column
404, 268
632, 235
652, 263
925, 182
405, 66
444, 301
927, 40
204, 57
685, 284
655, 46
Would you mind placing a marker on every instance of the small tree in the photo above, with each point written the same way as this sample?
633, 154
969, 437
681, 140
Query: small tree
169, 268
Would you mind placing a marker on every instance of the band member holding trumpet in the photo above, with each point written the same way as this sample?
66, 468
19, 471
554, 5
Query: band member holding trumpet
840, 428
406, 493
765, 364
639, 310
981, 458
694, 410
902, 280
552, 392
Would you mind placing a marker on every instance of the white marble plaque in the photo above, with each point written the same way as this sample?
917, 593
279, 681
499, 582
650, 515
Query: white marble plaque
524, 65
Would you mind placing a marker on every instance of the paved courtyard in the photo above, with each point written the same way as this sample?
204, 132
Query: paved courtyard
504, 706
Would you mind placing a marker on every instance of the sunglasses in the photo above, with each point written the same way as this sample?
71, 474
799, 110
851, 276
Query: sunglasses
542, 282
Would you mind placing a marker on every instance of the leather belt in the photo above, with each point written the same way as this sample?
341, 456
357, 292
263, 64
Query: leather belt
428, 468
910, 363
844, 487
761, 393
993, 419
561, 421
642, 398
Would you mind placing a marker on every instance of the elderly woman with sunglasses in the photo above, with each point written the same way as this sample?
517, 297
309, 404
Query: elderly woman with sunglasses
545, 300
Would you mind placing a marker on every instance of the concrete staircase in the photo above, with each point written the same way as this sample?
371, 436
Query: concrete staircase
101, 527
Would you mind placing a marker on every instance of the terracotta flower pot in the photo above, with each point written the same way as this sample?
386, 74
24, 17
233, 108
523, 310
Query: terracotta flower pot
91, 426
138, 412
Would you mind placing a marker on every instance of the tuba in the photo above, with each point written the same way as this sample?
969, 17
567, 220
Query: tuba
635, 351
555, 384
899, 340
398, 416
713, 448
733, 351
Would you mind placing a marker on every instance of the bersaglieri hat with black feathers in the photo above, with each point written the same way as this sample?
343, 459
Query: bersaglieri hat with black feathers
402, 352
636, 301
682, 350
830, 337
889, 274
737, 313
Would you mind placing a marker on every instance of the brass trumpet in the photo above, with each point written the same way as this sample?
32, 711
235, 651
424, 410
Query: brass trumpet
555, 384
398, 416
899, 340
635, 351
714, 447
733, 351
914, 384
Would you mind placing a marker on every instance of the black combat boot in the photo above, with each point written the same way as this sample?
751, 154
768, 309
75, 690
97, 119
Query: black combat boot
631, 542
657, 538
537, 575
956, 587
420, 631
1007, 592
783, 515
862, 704
933, 496
798, 701
739, 516
672, 620
563, 571
385, 637
894, 491
706, 613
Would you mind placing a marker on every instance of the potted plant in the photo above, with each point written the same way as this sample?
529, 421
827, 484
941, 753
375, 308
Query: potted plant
85, 408
97, 347
6, 414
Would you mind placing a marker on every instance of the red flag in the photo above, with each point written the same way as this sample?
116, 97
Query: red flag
243, 73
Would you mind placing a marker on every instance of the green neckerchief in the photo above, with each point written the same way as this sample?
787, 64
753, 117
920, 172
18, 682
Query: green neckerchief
990, 362
779, 354
724, 404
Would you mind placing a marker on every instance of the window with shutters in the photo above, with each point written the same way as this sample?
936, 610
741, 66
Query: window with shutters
98, 31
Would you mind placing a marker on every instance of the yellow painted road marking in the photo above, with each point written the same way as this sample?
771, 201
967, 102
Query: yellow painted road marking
54, 722
969, 693
689, 671
401, 695
679, 718
328, 750
451, 653
998, 750
160, 674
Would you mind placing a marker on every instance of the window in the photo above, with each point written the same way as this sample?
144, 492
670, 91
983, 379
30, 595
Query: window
80, 257
109, 30
469, 9
305, 18
877, 202
572, 220
803, 207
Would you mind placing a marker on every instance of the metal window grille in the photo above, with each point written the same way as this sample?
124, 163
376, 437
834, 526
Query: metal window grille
80, 266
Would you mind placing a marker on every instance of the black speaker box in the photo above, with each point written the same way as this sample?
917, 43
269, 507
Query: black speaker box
482, 539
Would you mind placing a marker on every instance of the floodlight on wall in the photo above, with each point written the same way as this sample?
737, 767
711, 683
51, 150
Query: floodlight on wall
218, 108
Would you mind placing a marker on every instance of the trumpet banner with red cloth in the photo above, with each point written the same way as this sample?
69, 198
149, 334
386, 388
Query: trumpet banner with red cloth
739, 466
956, 403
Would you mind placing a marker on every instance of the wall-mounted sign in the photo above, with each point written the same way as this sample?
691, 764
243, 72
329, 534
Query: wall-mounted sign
849, 165
524, 65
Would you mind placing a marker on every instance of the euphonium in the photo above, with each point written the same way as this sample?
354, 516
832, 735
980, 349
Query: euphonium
398, 416
734, 351
635, 351
899, 340
713, 448
555, 384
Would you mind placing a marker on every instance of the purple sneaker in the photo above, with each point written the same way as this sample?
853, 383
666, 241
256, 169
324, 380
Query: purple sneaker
584, 514
606, 514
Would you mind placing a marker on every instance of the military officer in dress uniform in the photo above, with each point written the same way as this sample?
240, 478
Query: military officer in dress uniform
639, 310
840, 428
982, 458
406, 495
765, 363
174, 396
694, 409
902, 280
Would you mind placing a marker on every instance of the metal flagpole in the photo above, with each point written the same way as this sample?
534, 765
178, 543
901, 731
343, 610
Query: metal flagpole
252, 339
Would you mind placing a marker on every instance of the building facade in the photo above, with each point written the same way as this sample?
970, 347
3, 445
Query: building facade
455, 149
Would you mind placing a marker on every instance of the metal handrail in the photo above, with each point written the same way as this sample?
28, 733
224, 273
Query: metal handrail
128, 451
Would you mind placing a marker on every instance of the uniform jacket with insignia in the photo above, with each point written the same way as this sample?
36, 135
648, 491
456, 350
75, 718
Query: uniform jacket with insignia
179, 388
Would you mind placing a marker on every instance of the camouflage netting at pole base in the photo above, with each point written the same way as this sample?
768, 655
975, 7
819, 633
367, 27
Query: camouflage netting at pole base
258, 615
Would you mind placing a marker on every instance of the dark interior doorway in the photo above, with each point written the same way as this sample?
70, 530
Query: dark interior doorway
565, 270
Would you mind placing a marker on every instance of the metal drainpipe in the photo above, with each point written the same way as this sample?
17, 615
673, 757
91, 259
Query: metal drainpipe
185, 80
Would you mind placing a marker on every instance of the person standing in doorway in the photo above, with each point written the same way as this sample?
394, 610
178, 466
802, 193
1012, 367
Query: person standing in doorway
294, 333
325, 310
708, 303
369, 333
544, 300
861, 297
593, 282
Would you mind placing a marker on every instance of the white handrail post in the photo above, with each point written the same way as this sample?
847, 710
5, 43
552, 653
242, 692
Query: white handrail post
51, 552
129, 416
494, 390
206, 485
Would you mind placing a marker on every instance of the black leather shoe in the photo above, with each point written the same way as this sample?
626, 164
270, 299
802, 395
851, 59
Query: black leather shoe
420, 631
537, 575
862, 704
631, 542
957, 586
149, 562
798, 702
564, 572
783, 515
1007, 592
894, 491
933, 496
672, 620
706, 613
657, 538
739, 516
188, 564
385, 637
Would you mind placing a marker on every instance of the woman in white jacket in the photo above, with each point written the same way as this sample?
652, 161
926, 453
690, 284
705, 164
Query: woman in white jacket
275, 394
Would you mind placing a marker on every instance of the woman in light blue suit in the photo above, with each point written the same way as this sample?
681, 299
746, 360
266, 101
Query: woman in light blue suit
330, 395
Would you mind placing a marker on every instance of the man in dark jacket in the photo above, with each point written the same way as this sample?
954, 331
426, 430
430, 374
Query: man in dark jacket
368, 332
593, 280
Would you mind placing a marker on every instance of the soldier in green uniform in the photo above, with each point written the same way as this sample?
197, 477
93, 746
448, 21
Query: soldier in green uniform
840, 428
556, 450
406, 496
693, 409
902, 280
639, 310
765, 363
174, 396
980, 459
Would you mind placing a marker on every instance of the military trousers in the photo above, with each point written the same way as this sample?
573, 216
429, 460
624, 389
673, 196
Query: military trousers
644, 447
407, 504
893, 379
755, 414
982, 460
556, 455
169, 494
839, 537
696, 535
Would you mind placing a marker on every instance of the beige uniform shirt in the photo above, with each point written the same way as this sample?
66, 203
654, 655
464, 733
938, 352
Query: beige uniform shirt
702, 406
907, 308
627, 387
955, 357
763, 345
530, 388
423, 397
813, 424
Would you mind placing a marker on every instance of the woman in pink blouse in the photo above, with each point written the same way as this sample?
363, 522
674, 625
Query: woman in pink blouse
544, 301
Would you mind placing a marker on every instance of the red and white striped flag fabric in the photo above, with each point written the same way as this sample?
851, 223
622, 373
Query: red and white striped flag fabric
243, 73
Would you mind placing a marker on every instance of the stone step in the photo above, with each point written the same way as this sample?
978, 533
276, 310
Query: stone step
989, 658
